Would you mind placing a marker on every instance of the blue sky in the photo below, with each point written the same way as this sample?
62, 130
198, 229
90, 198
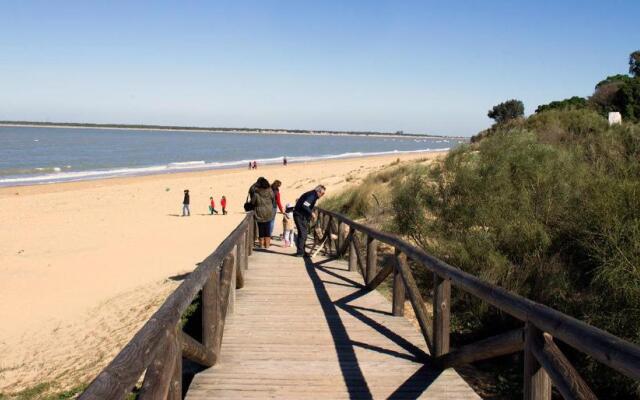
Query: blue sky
417, 66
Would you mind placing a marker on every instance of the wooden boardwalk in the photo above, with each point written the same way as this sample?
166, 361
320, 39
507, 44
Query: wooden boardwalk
310, 330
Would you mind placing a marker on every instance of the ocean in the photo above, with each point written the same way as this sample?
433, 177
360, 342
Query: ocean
37, 155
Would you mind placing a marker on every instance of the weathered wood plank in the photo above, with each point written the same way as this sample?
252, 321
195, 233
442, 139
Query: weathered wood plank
372, 259
398, 294
537, 385
175, 387
157, 379
211, 315
416, 298
564, 376
196, 351
499, 345
382, 275
441, 315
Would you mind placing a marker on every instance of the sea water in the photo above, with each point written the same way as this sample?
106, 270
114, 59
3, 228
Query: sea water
34, 155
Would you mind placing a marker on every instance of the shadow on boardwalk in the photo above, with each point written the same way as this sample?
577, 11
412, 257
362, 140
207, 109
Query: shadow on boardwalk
351, 371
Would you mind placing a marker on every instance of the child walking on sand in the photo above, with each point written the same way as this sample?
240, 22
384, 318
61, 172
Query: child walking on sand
223, 204
212, 206
287, 225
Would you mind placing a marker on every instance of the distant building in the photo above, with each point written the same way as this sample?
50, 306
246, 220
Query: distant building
615, 118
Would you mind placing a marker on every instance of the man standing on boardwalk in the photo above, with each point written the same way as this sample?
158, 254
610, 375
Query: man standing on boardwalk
302, 216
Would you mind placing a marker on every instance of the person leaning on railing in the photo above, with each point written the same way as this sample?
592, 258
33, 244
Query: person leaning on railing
302, 215
262, 201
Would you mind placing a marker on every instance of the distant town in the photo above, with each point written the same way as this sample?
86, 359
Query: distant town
217, 129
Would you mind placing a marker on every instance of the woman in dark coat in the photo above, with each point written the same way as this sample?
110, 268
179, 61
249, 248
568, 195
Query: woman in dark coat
262, 200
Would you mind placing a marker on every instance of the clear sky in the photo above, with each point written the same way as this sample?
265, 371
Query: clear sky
418, 66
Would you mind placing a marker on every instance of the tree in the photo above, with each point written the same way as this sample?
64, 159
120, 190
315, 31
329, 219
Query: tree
628, 100
634, 63
613, 79
506, 111
573, 103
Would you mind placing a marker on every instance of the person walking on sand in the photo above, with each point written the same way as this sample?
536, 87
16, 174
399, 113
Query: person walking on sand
287, 225
249, 164
212, 206
302, 215
277, 205
284, 161
255, 165
262, 201
223, 204
185, 204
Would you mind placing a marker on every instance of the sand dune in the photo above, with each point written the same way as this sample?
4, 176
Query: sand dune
84, 264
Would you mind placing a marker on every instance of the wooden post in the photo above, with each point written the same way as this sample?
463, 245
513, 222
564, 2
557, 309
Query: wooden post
232, 287
211, 314
157, 379
441, 315
329, 239
175, 389
537, 385
372, 259
314, 232
247, 251
353, 258
398, 291
416, 299
240, 268
340, 240
247, 238
255, 229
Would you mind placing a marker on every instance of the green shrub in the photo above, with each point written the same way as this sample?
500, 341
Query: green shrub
548, 210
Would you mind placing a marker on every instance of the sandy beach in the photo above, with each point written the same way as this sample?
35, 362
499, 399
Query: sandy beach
84, 264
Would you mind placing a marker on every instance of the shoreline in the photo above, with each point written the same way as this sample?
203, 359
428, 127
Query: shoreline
53, 187
173, 168
256, 131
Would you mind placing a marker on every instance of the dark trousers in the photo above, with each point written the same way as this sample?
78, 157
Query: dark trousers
302, 224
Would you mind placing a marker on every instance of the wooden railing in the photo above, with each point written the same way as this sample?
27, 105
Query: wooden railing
158, 347
544, 363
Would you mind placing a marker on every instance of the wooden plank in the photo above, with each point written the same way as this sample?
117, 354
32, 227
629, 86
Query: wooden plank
240, 268
398, 294
340, 240
382, 275
441, 315
372, 259
353, 257
211, 316
358, 247
499, 345
249, 237
196, 351
175, 388
157, 379
231, 306
563, 375
414, 295
537, 385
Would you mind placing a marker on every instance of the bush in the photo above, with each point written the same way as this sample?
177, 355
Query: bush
550, 211
506, 111
572, 103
